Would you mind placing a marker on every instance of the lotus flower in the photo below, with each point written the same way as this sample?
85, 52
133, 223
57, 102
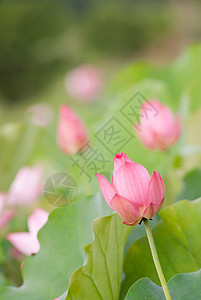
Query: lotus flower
5, 216
132, 193
26, 187
72, 132
27, 242
159, 130
83, 83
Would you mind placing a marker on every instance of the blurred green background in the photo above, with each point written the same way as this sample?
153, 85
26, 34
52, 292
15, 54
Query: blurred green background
41, 40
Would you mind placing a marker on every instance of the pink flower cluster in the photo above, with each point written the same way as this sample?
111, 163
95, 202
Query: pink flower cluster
24, 190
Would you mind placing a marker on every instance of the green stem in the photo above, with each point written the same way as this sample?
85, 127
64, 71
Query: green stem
156, 260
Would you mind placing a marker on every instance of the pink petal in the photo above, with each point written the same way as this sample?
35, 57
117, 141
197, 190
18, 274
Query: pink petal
26, 187
131, 182
27, 242
150, 211
24, 242
112, 181
126, 210
37, 220
134, 223
162, 183
106, 188
156, 189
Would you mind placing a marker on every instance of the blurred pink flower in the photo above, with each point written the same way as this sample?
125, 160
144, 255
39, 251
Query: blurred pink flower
41, 114
71, 132
26, 187
83, 83
5, 216
160, 130
132, 193
27, 242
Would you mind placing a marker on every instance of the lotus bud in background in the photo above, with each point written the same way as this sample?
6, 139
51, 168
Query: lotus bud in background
27, 242
72, 132
159, 130
26, 187
41, 114
132, 193
5, 215
83, 83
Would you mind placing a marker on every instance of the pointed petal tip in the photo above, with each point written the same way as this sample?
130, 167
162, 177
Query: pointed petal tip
100, 177
122, 156
119, 155
155, 173
156, 189
106, 188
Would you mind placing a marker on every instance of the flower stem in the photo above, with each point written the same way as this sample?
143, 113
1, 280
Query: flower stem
156, 260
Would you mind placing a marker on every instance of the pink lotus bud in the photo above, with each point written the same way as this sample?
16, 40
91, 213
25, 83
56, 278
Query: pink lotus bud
26, 187
27, 242
72, 132
83, 83
158, 128
132, 193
